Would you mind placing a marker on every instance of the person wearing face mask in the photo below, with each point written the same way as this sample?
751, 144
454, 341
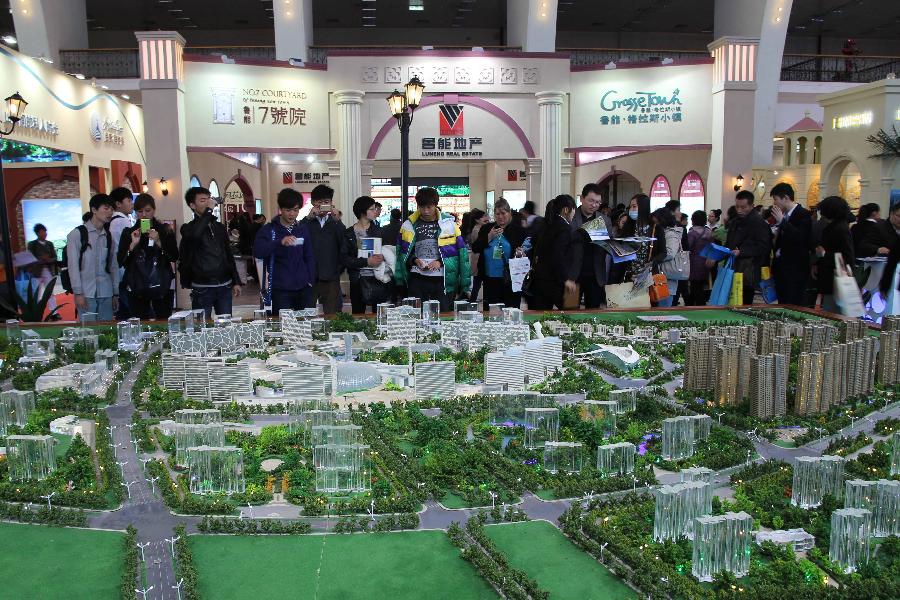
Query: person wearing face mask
552, 256
497, 242
639, 224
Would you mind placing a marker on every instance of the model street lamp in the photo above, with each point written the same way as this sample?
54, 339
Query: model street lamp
402, 106
172, 541
15, 108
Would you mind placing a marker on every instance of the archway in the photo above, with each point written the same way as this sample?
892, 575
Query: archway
660, 192
238, 197
842, 177
692, 193
617, 187
812, 195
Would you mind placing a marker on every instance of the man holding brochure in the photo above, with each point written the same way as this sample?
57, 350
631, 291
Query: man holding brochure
588, 258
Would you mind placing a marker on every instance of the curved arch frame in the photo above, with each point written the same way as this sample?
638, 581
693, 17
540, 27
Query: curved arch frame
668, 183
246, 190
460, 99
830, 175
702, 184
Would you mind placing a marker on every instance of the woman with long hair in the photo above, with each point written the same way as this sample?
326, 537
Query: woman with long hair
868, 233
497, 242
639, 224
552, 256
699, 236
835, 240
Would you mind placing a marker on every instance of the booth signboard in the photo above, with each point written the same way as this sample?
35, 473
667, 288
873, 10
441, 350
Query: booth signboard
652, 106
240, 106
692, 194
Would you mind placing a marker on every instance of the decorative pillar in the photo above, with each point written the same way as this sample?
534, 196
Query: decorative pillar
567, 186
733, 92
162, 95
293, 29
335, 177
349, 150
550, 106
531, 25
533, 185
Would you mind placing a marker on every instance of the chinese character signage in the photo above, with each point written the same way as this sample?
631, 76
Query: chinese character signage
290, 177
107, 130
640, 108
452, 142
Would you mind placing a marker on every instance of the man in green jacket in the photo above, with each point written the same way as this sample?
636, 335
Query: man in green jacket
432, 259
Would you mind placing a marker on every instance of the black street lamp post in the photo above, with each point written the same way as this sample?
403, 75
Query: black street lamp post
15, 107
402, 108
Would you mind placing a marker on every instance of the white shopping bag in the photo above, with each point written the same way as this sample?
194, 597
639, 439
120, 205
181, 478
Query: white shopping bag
846, 291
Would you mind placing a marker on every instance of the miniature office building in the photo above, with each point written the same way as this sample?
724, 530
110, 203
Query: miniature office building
722, 543
798, 539
341, 468
36, 350
697, 474
563, 456
228, 379
188, 435
197, 416
881, 497
307, 381
601, 412
895, 453
30, 456
851, 531
215, 469
15, 405
340, 435
615, 459
677, 506
129, 335
505, 368
815, 476
435, 380
625, 400
73, 336
678, 435
541, 425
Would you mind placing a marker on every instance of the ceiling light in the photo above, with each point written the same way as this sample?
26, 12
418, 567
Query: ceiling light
175, 10
104, 87
310, 158
418, 5
276, 158
9, 40
126, 96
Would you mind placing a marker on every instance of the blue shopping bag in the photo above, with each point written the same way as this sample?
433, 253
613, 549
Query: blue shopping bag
715, 252
722, 287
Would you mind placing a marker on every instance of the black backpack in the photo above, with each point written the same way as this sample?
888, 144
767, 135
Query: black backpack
85, 244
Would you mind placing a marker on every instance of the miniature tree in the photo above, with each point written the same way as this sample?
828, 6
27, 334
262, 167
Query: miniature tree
601, 412
851, 530
215, 469
615, 459
563, 456
678, 435
30, 457
541, 425
815, 476
722, 543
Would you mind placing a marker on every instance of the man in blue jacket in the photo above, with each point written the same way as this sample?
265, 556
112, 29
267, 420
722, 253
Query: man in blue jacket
286, 249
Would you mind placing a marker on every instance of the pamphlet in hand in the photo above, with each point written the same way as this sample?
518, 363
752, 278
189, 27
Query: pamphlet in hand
368, 247
619, 251
596, 230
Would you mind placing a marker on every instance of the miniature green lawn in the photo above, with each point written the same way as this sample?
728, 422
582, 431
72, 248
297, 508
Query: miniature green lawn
543, 552
57, 562
413, 565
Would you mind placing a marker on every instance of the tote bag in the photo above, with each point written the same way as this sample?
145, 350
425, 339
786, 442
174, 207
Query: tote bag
846, 291
721, 290
678, 266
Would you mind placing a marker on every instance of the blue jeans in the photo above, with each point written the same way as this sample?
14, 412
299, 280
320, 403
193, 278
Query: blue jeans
209, 298
101, 306
290, 299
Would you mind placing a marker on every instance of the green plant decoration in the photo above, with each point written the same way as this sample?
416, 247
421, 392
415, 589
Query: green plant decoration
887, 144
31, 308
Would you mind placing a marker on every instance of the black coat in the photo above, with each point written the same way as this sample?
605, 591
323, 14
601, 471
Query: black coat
553, 255
869, 236
390, 233
835, 239
752, 236
328, 240
205, 252
583, 245
792, 245
349, 258
513, 233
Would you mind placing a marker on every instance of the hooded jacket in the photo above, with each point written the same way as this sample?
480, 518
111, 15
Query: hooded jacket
452, 247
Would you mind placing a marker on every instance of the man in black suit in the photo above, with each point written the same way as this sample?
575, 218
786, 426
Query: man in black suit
792, 241
588, 259
750, 241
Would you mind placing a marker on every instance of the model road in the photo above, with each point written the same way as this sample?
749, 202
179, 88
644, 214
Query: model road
146, 511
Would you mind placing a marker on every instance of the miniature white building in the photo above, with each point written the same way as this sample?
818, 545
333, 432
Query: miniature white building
798, 539
67, 425
435, 380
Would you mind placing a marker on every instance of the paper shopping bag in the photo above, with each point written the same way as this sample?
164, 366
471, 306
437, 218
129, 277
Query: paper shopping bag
736, 298
846, 292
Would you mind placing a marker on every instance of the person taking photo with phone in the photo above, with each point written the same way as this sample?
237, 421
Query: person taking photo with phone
146, 253
285, 247
327, 235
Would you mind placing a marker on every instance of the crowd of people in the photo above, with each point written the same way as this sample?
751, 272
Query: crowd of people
121, 265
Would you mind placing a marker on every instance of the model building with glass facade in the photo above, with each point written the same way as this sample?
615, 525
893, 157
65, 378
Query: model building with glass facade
815, 476
615, 459
722, 543
851, 531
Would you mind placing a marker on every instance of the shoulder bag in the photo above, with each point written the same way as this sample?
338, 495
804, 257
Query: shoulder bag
678, 266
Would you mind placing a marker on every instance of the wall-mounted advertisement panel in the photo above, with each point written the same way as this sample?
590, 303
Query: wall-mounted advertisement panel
58, 216
454, 192
692, 193
241, 106
660, 192
646, 107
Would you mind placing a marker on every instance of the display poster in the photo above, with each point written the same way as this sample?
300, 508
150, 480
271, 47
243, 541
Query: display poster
240, 106
652, 106
660, 192
58, 216
692, 194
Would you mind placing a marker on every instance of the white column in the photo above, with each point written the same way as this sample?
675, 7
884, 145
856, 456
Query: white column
293, 29
567, 186
531, 25
533, 185
733, 92
349, 150
366, 169
335, 179
550, 106
162, 94
44, 27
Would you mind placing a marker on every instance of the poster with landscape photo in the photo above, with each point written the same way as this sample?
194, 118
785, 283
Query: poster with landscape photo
58, 216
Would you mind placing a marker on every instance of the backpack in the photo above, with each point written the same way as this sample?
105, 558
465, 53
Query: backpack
64, 277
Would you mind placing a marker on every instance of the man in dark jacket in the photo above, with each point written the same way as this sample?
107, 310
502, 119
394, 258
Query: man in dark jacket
589, 259
327, 238
750, 241
207, 264
391, 232
285, 247
791, 265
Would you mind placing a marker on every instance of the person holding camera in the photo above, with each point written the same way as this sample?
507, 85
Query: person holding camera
146, 253
286, 250
327, 235
207, 263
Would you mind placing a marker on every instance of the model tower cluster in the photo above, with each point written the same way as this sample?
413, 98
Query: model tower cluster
815, 476
677, 506
722, 543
